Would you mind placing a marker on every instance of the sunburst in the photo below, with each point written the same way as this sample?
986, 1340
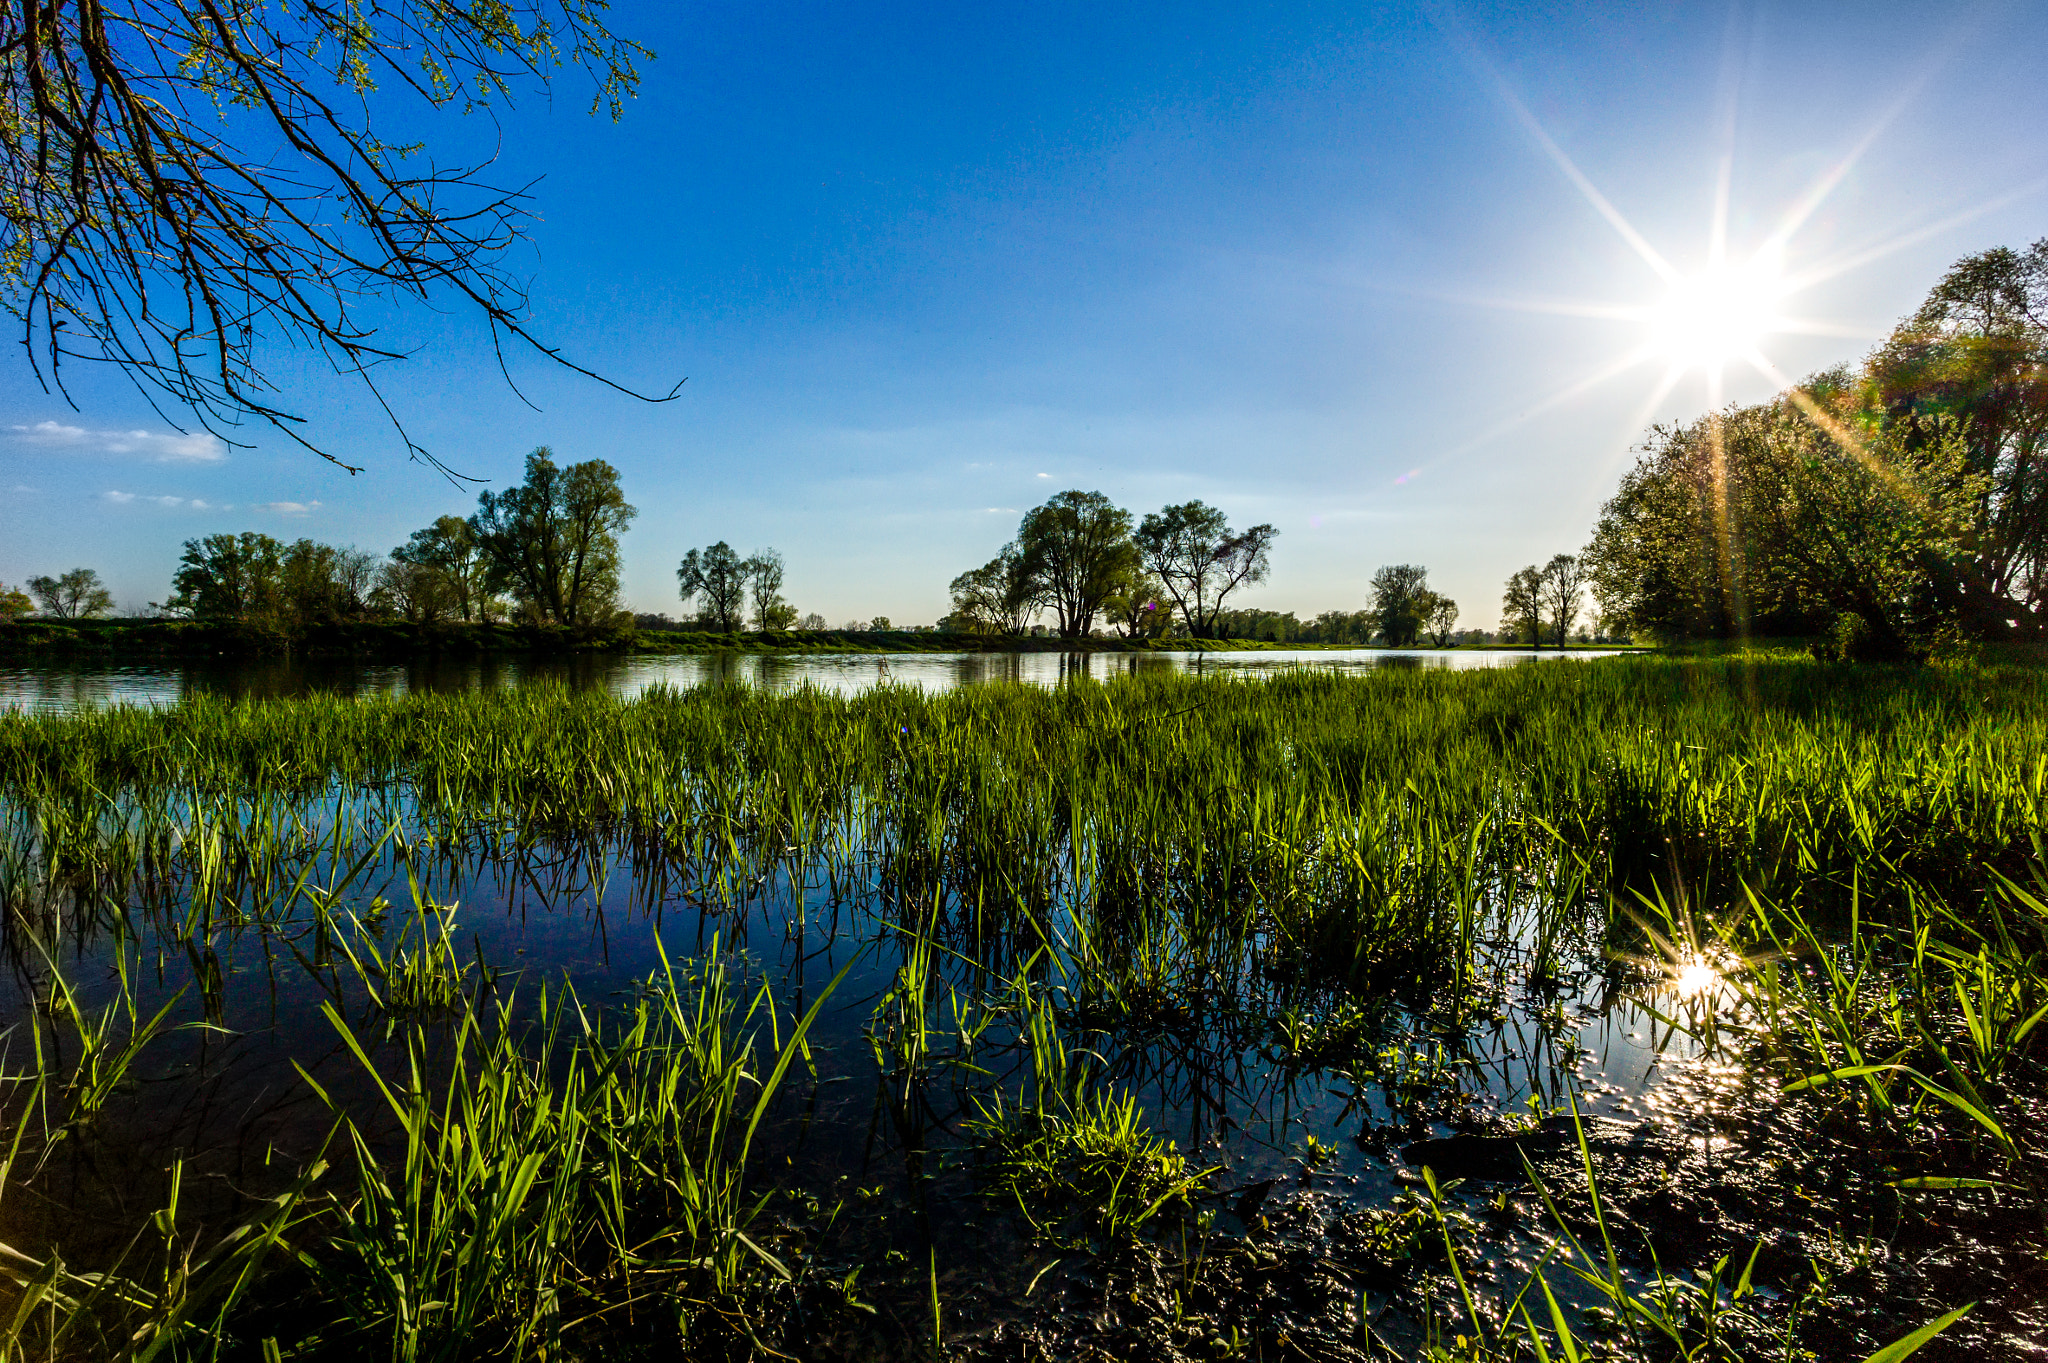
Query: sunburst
1725, 314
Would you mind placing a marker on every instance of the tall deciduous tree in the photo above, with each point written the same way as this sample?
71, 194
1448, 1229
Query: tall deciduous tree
764, 571
1796, 516
718, 577
553, 541
1972, 366
228, 577
1200, 560
1521, 606
1439, 616
14, 603
417, 592
1564, 591
1399, 591
1888, 507
324, 583
999, 597
448, 550
184, 181
76, 595
1140, 607
1076, 547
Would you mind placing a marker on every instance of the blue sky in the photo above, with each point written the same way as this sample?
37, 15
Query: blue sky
923, 266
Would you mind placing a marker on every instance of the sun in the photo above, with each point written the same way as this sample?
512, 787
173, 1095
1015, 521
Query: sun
1718, 316
1708, 322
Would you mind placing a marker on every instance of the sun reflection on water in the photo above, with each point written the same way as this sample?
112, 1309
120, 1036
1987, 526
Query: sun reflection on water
1693, 977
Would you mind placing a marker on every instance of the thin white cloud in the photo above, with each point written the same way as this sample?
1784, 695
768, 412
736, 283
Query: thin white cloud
164, 500
199, 447
286, 508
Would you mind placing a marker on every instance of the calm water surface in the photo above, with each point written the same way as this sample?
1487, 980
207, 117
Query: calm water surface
64, 686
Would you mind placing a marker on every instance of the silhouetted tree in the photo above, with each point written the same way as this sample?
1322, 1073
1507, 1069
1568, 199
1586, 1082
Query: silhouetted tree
417, 592
1076, 547
1521, 607
553, 541
76, 595
1200, 560
1439, 617
763, 570
718, 578
1564, 589
1139, 608
1397, 602
448, 550
999, 597
228, 577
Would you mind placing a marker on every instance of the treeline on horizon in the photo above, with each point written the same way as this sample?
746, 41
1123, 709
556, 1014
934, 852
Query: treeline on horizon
1887, 511
546, 553
1082, 559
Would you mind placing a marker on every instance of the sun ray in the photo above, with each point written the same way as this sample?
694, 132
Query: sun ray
1599, 471
1719, 316
1729, 98
1586, 384
1555, 307
1841, 265
1665, 383
1627, 231
1816, 326
1843, 437
1809, 203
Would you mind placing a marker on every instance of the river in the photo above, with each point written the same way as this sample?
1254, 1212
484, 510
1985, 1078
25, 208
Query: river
66, 685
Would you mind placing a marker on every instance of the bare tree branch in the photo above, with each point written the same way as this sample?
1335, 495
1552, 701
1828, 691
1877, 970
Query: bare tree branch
189, 181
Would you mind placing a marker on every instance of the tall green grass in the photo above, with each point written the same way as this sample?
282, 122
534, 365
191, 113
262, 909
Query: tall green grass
1364, 826
1285, 865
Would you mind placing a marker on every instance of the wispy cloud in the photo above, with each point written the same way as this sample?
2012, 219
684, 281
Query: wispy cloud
200, 447
286, 508
189, 503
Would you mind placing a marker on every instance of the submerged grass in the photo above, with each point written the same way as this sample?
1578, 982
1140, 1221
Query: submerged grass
575, 1181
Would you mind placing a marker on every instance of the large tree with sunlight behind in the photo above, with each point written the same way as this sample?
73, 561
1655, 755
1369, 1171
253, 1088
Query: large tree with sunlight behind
1887, 508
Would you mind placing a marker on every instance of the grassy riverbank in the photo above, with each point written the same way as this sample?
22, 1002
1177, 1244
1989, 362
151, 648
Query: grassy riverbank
1067, 914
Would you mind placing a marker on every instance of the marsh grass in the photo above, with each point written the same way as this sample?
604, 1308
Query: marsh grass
1071, 1147
1347, 874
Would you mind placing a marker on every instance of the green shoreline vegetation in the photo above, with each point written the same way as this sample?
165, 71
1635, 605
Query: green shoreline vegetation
1348, 875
